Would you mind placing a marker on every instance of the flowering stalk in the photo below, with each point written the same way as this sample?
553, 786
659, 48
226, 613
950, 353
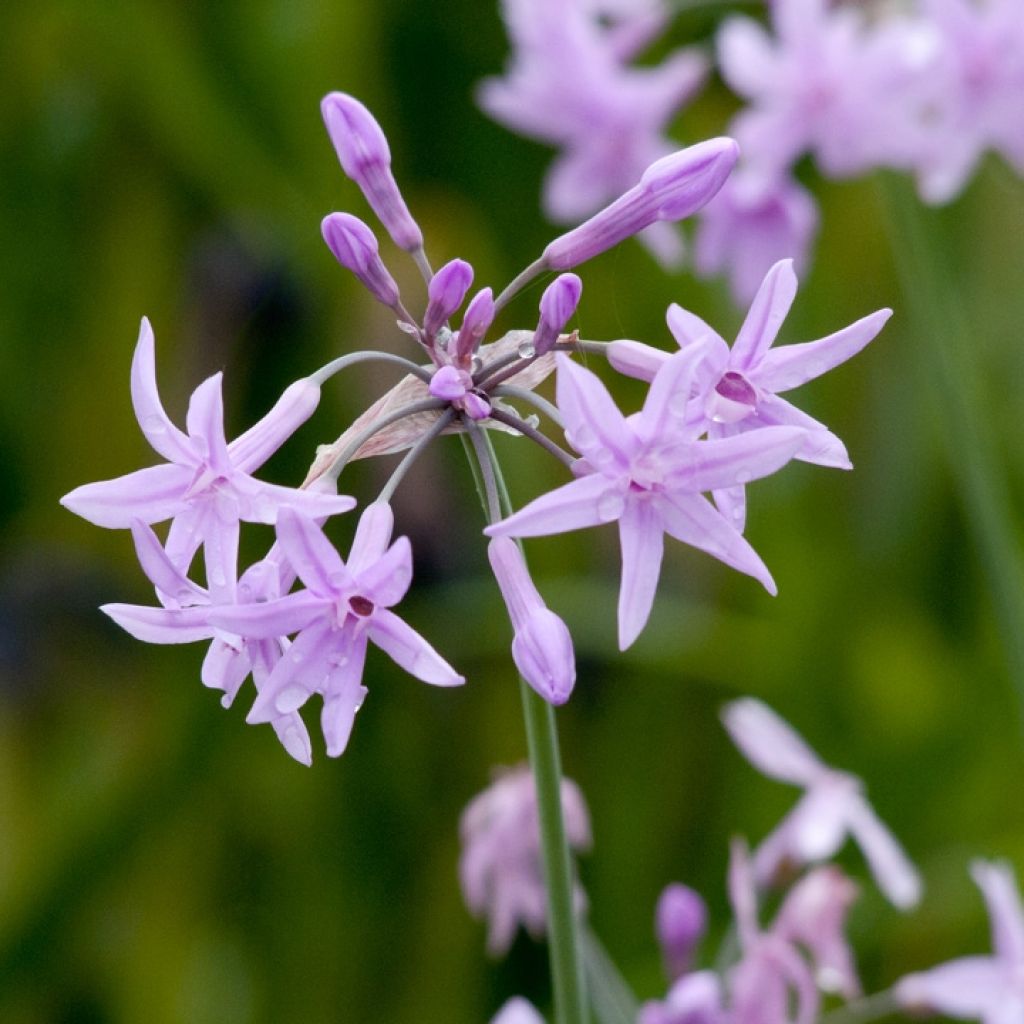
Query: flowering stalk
546, 765
942, 351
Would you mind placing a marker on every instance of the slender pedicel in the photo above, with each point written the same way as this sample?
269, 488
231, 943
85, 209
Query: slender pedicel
414, 453
533, 434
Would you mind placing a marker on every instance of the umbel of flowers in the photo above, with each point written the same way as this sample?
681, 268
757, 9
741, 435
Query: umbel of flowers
711, 423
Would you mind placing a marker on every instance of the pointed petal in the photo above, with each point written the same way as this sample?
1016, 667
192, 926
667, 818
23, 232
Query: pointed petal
343, 696
294, 737
732, 503
264, 501
725, 462
312, 555
409, 650
205, 421
588, 501
161, 625
386, 581
820, 446
689, 329
166, 439
669, 398
693, 520
186, 534
373, 534
267, 619
250, 450
300, 672
1002, 897
150, 495
220, 552
771, 744
225, 668
893, 872
642, 542
793, 365
167, 579
768, 310
594, 426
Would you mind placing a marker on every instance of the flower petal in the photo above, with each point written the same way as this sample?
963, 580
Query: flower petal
770, 744
588, 501
387, 580
161, 625
343, 696
767, 312
793, 365
312, 555
373, 534
594, 426
264, 502
642, 542
668, 405
220, 552
893, 872
298, 402
294, 737
635, 359
205, 421
972, 986
820, 446
725, 462
268, 619
301, 671
186, 534
1002, 897
408, 649
225, 668
162, 573
150, 495
689, 329
170, 442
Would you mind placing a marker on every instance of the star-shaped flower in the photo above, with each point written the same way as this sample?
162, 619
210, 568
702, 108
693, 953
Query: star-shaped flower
206, 485
648, 471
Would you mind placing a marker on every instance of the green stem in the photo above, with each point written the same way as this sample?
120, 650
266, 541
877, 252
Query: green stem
545, 762
944, 353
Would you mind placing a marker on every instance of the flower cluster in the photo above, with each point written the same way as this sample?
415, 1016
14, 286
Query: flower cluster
926, 87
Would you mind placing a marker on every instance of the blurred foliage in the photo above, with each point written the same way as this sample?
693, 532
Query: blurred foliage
163, 862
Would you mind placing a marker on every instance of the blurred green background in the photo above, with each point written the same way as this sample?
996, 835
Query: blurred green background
159, 860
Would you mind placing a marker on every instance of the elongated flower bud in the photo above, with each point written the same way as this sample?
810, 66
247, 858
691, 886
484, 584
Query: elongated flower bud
366, 159
680, 921
557, 305
542, 648
670, 189
445, 293
355, 248
475, 323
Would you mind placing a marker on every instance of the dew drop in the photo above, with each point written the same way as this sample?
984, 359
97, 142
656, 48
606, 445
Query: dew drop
154, 425
602, 456
244, 591
737, 513
533, 420
296, 656
743, 476
526, 349
338, 660
291, 698
217, 577
677, 404
610, 507
584, 437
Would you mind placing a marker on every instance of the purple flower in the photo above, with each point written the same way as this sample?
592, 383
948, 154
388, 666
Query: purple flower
344, 607
832, 806
681, 919
985, 988
517, 1011
693, 999
744, 231
648, 471
355, 248
500, 868
205, 487
542, 648
739, 386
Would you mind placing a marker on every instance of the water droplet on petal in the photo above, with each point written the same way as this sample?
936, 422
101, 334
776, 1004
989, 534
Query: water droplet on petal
602, 456
677, 404
737, 512
338, 660
291, 698
296, 656
154, 425
526, 349
584, 438
610, 506
217, 577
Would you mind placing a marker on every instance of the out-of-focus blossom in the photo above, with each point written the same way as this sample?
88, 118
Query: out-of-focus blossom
500, 868
206, 485
648, 473
985, 988
748, 227
517, 1011
737, 389
693, 999
680, 921
832, 807
542, 648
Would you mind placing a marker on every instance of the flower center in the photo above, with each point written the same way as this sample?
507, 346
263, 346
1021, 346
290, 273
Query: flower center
362, 606
733, 399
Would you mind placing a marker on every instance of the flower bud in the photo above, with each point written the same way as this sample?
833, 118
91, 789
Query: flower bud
670, 189
542, 647
475, 323
557, 305
355, 248
635, 359
366, 159
680, 921
445, 293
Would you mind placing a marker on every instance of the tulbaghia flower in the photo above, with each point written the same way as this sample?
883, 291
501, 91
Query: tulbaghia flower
344, 607
647, 472
832, 806
517, 1011
542, 648
355, 248
500, 868
740, 385
206, 486
680, 921
985, 988
694, 999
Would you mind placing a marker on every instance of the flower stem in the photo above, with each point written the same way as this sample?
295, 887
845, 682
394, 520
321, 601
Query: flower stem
545, 762
944, 354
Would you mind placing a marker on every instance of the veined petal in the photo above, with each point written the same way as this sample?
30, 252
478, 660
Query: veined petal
725, 462
264, 502
635, 359
294, 737
1002, 898
693, 520
220, 552
373, 534
170, 442
312, 555
297, 403
642, 542
792, 365
668, 401
386, 581
267, 619
820, 446
150, 495
343, 696
893, 872
205, 421
409, 650
161, 625
588, 501
594, 426
162, 573
769, 309
186, 534
771, 744
301, 671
